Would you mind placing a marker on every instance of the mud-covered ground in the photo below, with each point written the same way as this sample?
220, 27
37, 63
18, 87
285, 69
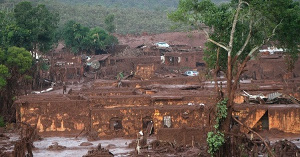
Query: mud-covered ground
120, 147
69, 146
193, 38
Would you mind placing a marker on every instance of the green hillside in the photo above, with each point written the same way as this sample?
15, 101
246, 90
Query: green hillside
131, 16
141, 4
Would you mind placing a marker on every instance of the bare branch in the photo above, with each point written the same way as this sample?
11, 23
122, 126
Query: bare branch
206, 33
234, 27
243, 2
267, 146
229, 49
249, 34
257, 21
254, 49
247, 40
218, 44
265, 41
209, 39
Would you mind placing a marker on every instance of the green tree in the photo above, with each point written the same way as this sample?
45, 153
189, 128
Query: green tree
109, 23
100, 40
35, 30
81, 39
6, 19
237, 30
288, 32
3, 75
40, 22
131, 16
15, 63
96, 37
75, 36
15, 36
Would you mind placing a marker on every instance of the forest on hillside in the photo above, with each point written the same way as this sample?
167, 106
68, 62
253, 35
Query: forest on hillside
142, 4
131, 16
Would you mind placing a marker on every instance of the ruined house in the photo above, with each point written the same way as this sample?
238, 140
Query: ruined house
174, 109
118, 112
65, 67
269, 117
184, 56
182, 59
270, 67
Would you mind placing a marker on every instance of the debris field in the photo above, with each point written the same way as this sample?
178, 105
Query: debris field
138, 94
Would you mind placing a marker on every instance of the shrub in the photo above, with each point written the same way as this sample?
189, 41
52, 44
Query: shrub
2, 123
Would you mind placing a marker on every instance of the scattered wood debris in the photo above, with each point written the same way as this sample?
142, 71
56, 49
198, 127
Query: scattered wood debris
56, 146
285, 148
99, 152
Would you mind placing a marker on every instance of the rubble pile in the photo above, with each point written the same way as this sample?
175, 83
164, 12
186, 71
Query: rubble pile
285, 148
99, 152
113, 96
162, 148
56, 146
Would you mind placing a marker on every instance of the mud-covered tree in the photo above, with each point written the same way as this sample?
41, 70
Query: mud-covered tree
236, 31
15, 63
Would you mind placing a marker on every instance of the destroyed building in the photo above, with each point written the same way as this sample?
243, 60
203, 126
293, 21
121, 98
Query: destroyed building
117, 112
179, 107
167, 105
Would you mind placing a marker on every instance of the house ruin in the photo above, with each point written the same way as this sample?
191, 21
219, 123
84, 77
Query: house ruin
179, 106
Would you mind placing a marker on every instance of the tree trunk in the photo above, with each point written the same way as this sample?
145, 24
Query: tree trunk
231, 89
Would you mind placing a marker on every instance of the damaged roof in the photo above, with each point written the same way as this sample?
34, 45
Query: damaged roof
100, 57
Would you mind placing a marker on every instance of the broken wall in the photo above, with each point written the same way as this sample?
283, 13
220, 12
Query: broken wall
271, 67
184, 59
145, 71
148, 100
183, 136
281, 117
56, 115
285, 119
67, 114
129, 63
131, 119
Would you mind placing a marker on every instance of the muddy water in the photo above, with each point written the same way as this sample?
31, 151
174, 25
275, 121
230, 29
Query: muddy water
119, 147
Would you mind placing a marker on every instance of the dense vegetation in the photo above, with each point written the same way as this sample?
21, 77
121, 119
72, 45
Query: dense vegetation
26, 28
85, 27
81, 39
142, 4
29, 27
131, 16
